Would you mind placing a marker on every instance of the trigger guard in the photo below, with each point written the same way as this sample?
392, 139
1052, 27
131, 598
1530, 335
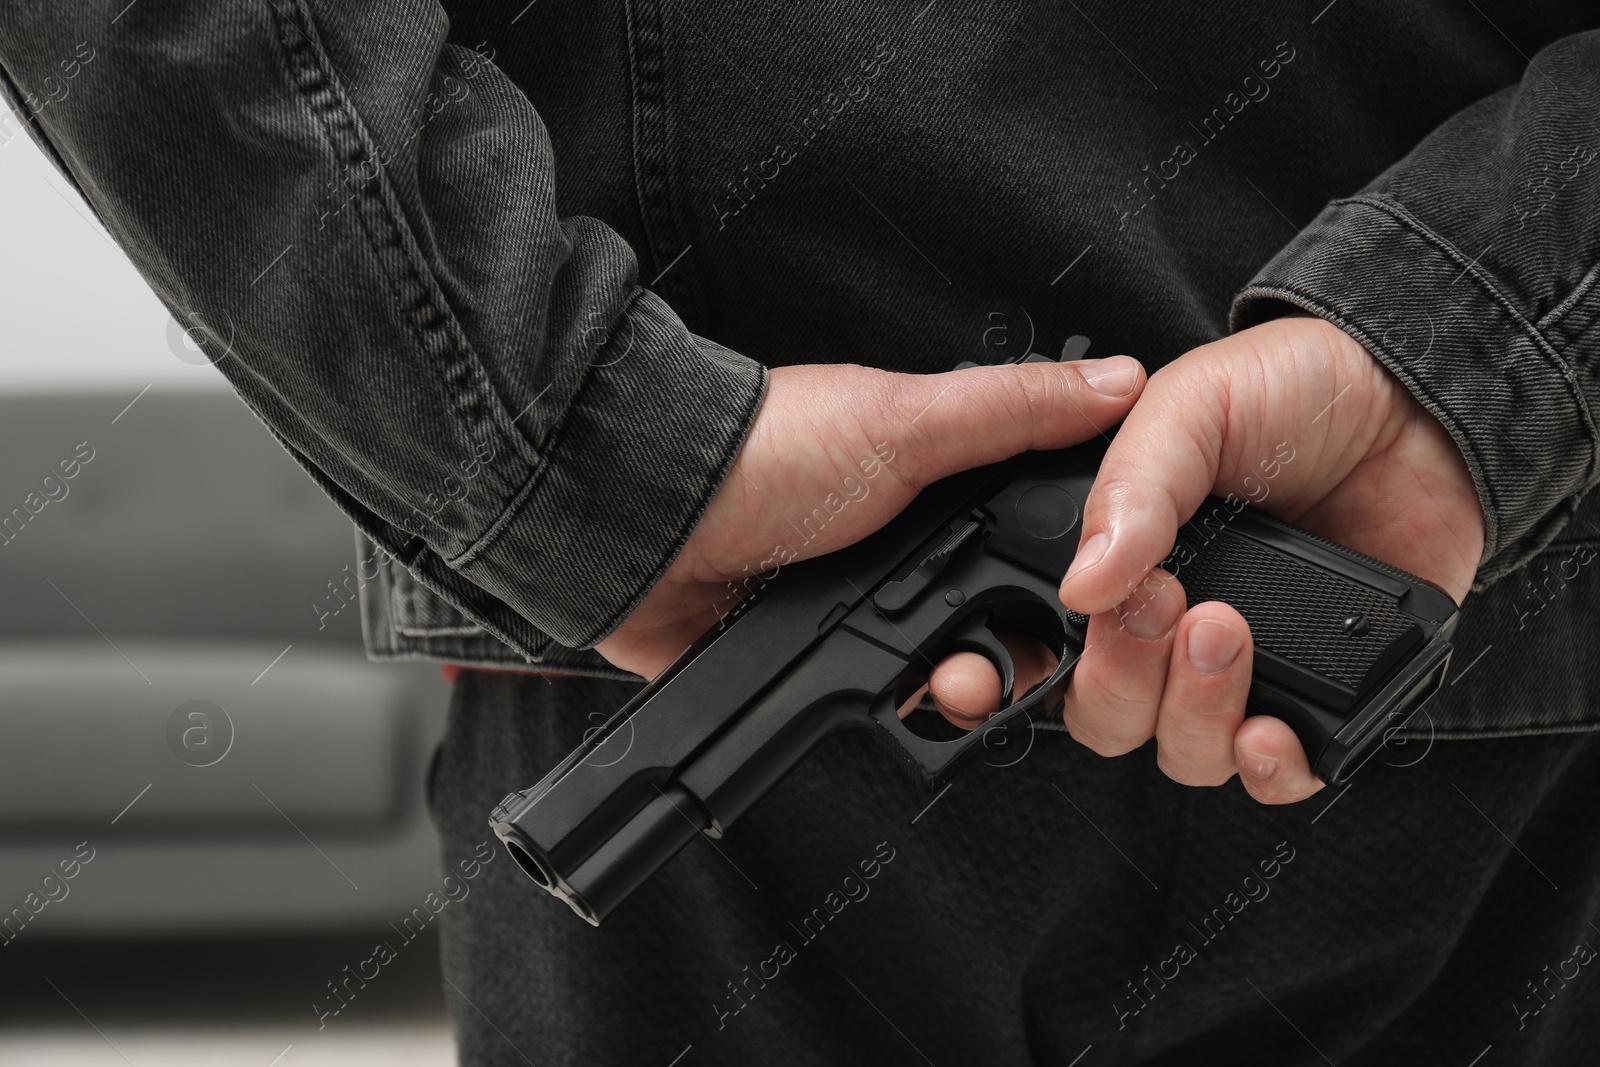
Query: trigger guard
976, 637
998, 732
1002, 740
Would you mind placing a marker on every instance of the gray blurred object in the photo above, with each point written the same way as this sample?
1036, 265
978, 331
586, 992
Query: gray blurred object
179, 565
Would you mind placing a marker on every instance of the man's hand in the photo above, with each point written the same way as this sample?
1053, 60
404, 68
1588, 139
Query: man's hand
1370, 468
836, 452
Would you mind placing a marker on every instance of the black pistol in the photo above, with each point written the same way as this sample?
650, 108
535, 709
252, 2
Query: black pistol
1346, 649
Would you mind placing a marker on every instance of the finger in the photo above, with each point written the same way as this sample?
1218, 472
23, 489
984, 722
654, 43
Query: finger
967, 418
1160, 466
1271, 763
1116, 686
966, 687
1204, 700
910, 703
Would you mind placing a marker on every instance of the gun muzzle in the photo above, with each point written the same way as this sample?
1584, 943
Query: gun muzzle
595, 867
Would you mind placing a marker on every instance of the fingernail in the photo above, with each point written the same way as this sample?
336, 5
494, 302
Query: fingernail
1113, 376
1213, 646
1090, 554
1257, 765
1152, 611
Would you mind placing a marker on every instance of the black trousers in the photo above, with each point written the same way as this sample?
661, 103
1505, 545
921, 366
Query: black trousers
1070, 906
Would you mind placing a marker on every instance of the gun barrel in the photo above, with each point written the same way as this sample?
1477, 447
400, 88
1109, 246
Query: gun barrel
623, 861
723, 723
1346, 648
648, 818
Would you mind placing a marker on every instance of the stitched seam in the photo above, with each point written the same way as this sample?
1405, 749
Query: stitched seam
652, 182
404, 593
493, 629
1573, 298
1414, 226
636, 79
472, 630
1493, 733
418, 300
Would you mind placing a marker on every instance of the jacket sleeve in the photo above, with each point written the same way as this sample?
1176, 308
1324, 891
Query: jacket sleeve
356, 221
1471, 268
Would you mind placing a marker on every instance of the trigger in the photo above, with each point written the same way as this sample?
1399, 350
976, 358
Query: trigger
977, 637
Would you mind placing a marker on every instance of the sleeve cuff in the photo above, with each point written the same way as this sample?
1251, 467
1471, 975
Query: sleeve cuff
623, 479
1456, 338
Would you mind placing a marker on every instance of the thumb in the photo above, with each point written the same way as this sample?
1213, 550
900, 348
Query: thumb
968, 418
1158, 470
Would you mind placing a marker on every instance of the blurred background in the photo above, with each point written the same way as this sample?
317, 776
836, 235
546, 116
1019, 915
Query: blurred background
210, 802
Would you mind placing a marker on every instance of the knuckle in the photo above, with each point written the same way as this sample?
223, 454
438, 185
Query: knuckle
1122, 695
1202, 721
1034, 400
1119, 701
1098, 740
1116, 490
1010, 399
902, 401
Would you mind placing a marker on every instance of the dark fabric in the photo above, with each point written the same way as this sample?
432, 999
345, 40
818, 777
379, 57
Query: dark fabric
394, 239
1524, 658
1389, 924
358, 223
1492, 322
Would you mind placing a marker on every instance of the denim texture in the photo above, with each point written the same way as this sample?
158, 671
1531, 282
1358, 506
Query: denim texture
1007, 932
419, 235
364, 218
416, 236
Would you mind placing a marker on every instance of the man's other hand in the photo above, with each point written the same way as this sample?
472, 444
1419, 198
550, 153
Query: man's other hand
1298, 417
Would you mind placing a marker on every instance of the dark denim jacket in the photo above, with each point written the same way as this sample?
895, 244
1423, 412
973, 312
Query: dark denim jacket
414, 236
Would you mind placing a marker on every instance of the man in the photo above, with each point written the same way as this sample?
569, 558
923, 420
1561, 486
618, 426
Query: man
419, 262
